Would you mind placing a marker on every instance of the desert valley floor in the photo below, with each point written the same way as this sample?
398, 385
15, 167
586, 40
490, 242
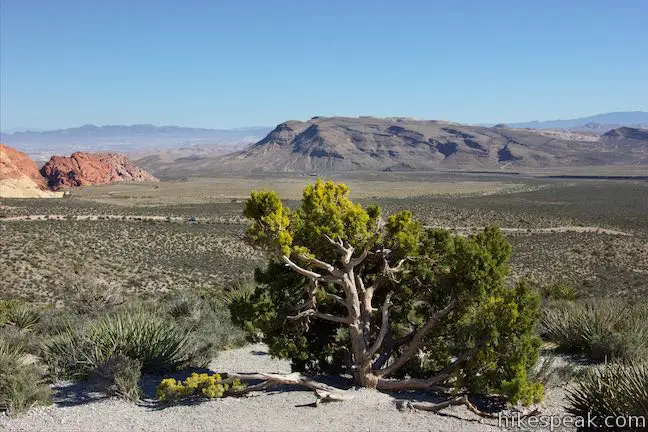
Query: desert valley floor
150, 238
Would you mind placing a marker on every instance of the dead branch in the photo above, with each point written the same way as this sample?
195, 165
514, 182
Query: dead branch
337, 299
322, 315
302, 271
344, 251
417, 340
384, 326
436, 407
434, 381
323, 392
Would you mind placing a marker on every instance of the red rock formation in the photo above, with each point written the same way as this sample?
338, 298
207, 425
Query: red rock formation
15, 164
81, 169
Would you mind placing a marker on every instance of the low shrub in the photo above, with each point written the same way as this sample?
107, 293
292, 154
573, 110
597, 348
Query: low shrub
560, 291
196, 386
207, 317
599, 330
618, 390
119, 375
18, 314
21, 382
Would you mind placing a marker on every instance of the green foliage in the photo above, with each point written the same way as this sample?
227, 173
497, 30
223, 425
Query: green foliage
151, 339
18, 314
497, 320
598, 329
196, 386
119, 375
615, 390
326, 210
560, 291
21, 382
206, 317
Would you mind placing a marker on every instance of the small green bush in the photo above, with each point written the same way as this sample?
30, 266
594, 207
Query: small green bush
119, 375
616, 390
21, 382
196, 386
599, 330
560, 291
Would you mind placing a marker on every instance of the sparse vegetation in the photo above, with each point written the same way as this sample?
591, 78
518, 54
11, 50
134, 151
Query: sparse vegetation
73, 263
618, 390
22, 382
599, 330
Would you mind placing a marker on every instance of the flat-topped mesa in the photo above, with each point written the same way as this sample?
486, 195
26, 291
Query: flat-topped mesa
85, 169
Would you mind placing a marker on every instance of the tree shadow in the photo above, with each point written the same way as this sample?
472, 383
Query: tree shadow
75, 393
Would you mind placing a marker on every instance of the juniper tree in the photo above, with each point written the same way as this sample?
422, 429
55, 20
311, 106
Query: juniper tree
394, 304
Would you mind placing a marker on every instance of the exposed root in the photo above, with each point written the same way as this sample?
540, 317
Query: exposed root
323, 393
436, 407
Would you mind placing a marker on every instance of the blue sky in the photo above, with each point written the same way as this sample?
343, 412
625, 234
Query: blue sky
239, 63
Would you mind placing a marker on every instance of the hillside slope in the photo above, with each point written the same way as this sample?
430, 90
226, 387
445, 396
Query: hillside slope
341, 144
19, 176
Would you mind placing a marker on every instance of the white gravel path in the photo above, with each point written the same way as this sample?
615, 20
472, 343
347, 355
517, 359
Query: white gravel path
269, 411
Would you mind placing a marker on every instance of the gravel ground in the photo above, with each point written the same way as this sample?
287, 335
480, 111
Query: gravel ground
75, 409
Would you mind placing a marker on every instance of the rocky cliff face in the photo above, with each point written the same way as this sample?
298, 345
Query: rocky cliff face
19, 176
83, 169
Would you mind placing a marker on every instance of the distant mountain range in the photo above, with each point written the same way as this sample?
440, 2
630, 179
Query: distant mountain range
136, 138
597, 123
360, 143
342, 144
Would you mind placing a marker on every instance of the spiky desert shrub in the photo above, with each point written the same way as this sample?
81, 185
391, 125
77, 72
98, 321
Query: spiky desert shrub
598, 329
158, 343
22, 315
196, 386
119, 375
615, 390
560, 291
206, 315
21, 382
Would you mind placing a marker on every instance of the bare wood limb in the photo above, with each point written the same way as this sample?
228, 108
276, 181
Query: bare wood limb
384, 326
336, 298
317, 263
417, 340
322, 315
302, 271
434, 381
436, 407
324, 392
345, 251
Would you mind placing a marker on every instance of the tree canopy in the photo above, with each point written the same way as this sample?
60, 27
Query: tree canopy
393, 303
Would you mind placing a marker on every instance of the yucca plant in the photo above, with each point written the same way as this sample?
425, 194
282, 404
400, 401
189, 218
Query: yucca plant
22, 316
21, 381
143, 336
598, 329
615, 390
157, 343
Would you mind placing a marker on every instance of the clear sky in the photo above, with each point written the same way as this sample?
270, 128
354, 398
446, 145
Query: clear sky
227, 63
